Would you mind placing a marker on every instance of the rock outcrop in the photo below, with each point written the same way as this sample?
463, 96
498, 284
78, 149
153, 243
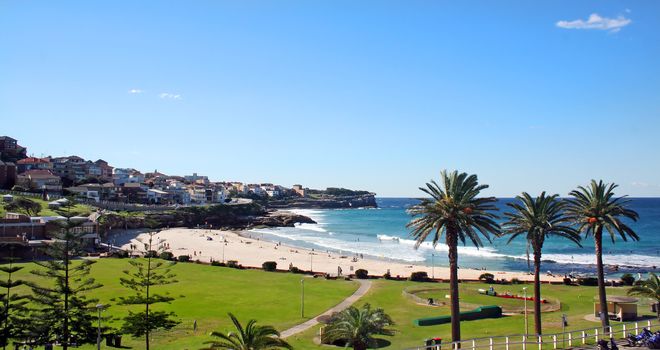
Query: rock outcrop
364, 201
227, 217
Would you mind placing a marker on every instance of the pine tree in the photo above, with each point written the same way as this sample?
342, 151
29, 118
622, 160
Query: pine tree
13, 308
64, 312
147, 273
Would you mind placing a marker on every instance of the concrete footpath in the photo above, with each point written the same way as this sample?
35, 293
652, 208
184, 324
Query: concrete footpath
359, 293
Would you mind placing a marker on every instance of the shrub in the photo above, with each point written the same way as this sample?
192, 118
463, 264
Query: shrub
294, 269
217, 263
515, 281
118, 254
487, 277
151, 254
166, 256
628, 279
588, 281
269, 265
419, 276
361, 274
233, 264
387, 276
183, 258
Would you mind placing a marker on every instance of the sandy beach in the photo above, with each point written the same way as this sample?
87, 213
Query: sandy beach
249, 250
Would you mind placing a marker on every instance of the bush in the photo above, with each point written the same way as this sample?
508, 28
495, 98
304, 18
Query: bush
361, 274
183, 258
217, 263
387, 276
515, 281
294, 269
588, 281
151, 254
166, 256
269, 266
419, 276
233, 264
118, 254
487, 277
628, 279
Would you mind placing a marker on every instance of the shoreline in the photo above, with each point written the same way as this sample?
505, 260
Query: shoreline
223, 245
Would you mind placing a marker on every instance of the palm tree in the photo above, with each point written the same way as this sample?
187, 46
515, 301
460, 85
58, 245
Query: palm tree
538, 218
358, 326
252, 337
593, 209
455, 212
650, 289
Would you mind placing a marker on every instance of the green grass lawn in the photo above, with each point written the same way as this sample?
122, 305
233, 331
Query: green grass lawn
208, 293
45, 211
576, 302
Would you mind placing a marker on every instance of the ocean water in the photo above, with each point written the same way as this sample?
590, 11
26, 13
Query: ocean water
382, 233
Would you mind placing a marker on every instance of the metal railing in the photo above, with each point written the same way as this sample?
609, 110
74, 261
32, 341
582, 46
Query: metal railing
568, 339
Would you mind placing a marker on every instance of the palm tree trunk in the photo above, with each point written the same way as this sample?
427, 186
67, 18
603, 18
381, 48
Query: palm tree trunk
452, 243
602, 297
537, 291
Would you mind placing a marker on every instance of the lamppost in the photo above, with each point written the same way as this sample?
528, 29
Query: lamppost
223, 252
525, 297
302, 298
432, 266
311, 264
99, 307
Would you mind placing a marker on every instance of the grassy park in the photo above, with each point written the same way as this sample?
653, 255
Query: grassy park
207, 293
45, 211
576, 302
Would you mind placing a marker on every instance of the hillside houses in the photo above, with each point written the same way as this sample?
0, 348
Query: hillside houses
99, 181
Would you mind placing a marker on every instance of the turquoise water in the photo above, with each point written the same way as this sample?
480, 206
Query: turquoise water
382, 233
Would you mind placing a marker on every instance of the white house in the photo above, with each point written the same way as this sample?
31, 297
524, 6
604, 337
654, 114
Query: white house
156, 196
197, 194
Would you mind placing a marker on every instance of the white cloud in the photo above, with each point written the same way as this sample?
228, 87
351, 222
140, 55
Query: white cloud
167, 95
135, 91
595, 21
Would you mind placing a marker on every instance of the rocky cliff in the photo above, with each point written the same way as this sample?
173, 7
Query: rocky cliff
363, 201
220, 216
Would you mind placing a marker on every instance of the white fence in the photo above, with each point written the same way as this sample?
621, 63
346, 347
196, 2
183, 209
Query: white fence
568, 339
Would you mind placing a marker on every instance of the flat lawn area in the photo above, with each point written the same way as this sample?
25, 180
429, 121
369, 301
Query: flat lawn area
576, 302
45, 211
208, 293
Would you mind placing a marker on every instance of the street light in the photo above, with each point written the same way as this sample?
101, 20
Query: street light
525, 297
432, 266
302, 298
99, 307
311, 264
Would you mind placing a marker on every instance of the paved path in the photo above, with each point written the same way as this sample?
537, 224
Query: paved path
361, 291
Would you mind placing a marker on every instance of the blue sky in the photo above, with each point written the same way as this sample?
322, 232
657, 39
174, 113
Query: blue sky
377, 95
